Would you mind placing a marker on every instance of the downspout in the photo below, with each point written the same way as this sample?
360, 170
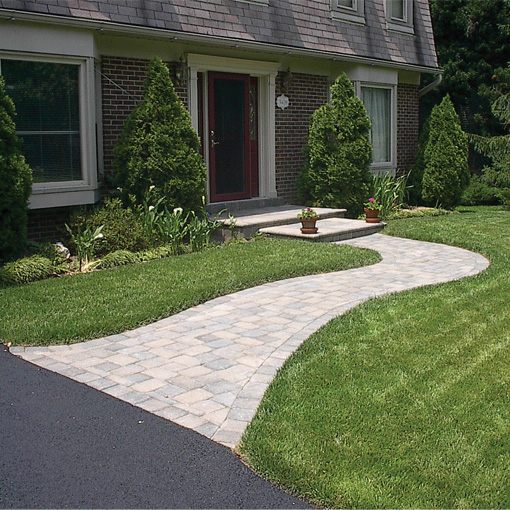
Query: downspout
431, 86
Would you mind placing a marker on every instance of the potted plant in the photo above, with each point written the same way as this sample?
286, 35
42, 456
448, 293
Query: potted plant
308, 219
372, 208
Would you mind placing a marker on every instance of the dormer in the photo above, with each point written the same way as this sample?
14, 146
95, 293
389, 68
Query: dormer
348, 10
399, 16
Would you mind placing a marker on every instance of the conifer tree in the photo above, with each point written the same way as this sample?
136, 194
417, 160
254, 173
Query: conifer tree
446, 172
160, 148
15, 183
338, 152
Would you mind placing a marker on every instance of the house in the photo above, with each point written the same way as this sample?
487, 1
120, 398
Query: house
251, 73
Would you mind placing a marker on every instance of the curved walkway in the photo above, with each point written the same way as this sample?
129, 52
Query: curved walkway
208, 367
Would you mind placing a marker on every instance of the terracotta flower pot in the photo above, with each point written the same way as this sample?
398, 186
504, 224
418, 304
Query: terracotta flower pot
308, 226
372, 215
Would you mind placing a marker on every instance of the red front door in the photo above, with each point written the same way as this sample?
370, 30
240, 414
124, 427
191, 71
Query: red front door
232, 137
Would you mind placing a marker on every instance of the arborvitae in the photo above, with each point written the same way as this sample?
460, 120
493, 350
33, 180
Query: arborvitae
446, 172
15, 183
160, 148
339, 153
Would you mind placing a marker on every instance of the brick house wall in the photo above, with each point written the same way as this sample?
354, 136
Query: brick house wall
306, 94
122, 96
408, 126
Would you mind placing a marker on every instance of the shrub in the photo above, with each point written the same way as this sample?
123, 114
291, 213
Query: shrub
122, 228
338, 152
15, 183
118, 258
26, 270
160, 148
479, 193
415, 177
159, 252
505, 198
446, 172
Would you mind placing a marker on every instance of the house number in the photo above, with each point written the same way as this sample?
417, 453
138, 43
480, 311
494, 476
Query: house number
282, 102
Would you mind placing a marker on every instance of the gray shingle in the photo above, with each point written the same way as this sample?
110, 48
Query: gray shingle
298, 23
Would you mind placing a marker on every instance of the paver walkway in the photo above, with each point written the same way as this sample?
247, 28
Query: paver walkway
208, 367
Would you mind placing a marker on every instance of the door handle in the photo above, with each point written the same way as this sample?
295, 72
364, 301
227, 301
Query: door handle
213, 142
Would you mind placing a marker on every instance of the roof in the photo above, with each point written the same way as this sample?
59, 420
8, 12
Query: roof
304, 24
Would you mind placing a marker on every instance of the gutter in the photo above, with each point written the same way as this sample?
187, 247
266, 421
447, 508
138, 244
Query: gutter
431, 86
174, 35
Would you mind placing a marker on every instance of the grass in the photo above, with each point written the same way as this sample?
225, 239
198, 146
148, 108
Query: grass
86, 306
404, 402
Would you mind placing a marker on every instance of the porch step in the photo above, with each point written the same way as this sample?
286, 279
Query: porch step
237, 206
330, 230
248, 222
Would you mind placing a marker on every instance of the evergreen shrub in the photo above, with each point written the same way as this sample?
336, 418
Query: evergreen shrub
26, 270
118, 258
339, 153
15, 183
480, 193
122, 228
160, 148
446, 172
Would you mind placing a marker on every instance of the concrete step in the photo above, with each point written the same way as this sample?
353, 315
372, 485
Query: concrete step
330, 230
238, 206
248, 222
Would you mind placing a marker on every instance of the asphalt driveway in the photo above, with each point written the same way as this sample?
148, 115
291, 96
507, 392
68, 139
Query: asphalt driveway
65, 445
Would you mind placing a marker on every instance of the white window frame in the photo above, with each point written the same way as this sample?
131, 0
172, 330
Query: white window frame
405, 25
354, 14
387, 166
258, 2
84, 190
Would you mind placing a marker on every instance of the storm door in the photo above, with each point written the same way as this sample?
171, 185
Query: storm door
233, 136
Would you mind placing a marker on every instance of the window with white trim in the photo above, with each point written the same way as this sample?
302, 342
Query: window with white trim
378, 102
348, 10
399, 16
47, 100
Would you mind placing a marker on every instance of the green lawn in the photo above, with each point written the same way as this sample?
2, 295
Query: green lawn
85, 306
404, 402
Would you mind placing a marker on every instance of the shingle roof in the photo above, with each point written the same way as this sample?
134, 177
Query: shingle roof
303, 24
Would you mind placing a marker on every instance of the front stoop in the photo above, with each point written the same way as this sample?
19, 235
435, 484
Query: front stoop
330, 230
248, 222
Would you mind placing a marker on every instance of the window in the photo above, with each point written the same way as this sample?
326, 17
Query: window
348, 10
398, 8
378, 103
46, 96
399, 16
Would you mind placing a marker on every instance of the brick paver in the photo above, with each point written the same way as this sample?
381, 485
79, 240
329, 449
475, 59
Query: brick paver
208, 367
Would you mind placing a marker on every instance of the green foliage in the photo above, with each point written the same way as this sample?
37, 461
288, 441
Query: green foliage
118, 258
390, 192
415, 177
497, 148
122, 228
479, 193
472, 41
15, 183
200, 230
160, 148
173, 228
505, 198
418, 212
446, 171
85, 243
26, 270
160, 252
338, 152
